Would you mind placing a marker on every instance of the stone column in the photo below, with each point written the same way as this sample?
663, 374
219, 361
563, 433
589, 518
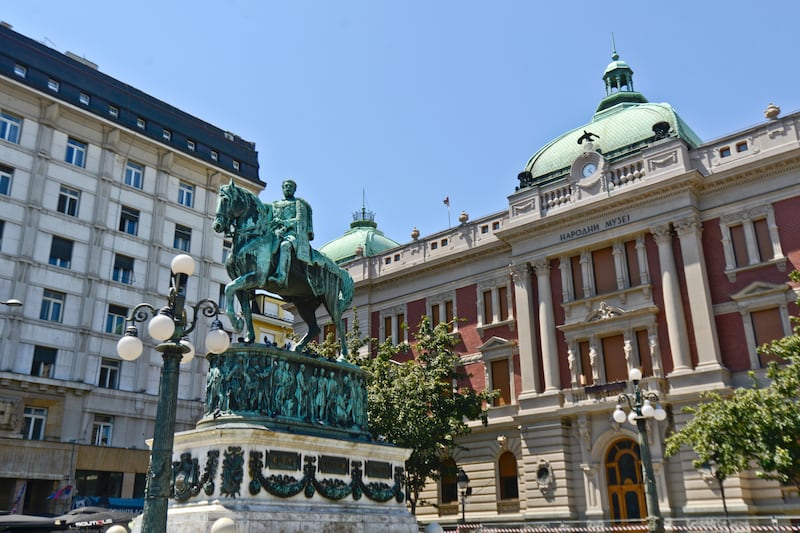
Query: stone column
673, 305
528, 354
547, 327
700, 306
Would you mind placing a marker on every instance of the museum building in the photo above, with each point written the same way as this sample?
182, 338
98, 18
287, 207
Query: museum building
627, 243
101, 185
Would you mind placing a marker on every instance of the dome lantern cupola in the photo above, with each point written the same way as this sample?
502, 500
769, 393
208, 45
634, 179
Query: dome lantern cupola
618, 78
363, 239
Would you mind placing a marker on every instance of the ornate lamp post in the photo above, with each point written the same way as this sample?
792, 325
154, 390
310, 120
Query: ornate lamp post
462, 480
641, 406
168, 325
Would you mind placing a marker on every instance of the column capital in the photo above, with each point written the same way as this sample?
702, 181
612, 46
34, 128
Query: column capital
662, 233
520, 272
541, 266
688, 225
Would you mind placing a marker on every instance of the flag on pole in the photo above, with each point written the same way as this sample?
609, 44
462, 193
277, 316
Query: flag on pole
19, 497
447, 201
64, 491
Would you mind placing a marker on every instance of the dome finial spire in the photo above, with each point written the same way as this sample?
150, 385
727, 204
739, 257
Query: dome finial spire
614, 54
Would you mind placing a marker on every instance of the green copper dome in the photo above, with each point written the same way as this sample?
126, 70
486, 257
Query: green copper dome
363, 239
624, 123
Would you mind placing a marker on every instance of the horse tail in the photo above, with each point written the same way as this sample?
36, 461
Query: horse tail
347, 288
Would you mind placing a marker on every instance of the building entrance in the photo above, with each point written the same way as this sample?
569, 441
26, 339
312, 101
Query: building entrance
624, 478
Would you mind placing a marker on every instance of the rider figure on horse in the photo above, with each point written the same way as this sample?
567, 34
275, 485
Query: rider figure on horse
293, 226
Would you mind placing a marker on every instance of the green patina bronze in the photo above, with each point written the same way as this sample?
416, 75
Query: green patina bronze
282, 390
187, 480
272, 251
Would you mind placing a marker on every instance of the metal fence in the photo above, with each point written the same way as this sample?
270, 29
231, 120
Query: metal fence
671, 525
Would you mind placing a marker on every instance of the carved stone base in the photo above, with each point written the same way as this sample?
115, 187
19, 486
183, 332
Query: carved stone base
270, 481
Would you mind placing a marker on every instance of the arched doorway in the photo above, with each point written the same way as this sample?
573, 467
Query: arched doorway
624, 477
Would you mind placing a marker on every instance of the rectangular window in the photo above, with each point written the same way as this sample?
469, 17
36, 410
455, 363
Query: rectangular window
221, 297
236, 165
586, 364
134, 174
53, 85
68, 201
10, 127
763, 240
52, 306
448, 311
6, 173
767, 327
76, 153
725, 151
387, 328
129, 220
488, 312
577, 277
485, 228
190, 145
115, 319
632, 259
214, 155
645, 359
502, 382
435, 317
2, 231
141, 123
605, 276
109, 374
35, 421
495, 226
61, 252
739, 245
167, 135
741, 146
113, 111
186, 194
44, 361
614, 358
183, 238
20, 70
502, 297
100, 482
101, 430
84, 98
123, 269
227, 248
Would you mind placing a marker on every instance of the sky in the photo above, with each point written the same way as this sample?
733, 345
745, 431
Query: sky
398, 104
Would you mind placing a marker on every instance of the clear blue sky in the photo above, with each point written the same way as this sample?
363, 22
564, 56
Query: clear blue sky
411, 101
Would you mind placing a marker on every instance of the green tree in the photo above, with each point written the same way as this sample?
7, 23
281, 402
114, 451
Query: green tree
422, 404
754, 425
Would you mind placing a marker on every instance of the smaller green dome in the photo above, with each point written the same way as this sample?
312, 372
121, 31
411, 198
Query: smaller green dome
363, 239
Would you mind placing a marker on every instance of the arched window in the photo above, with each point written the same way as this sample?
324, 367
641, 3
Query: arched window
507, 468
448, 481
624, 478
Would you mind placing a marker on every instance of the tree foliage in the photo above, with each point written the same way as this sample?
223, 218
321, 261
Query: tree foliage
754, 425
422, 403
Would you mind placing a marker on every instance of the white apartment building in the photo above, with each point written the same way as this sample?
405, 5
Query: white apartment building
101, 185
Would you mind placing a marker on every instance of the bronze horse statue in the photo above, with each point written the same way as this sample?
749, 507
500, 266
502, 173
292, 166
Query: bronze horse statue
249, 223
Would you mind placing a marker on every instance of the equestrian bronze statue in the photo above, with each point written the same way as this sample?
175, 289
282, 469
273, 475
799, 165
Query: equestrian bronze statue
271, 251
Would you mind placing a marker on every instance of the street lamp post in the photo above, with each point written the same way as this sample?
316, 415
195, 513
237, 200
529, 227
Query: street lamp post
641, 406
462, 480
168, 325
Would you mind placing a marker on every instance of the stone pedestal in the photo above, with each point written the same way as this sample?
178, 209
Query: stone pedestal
282, 482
